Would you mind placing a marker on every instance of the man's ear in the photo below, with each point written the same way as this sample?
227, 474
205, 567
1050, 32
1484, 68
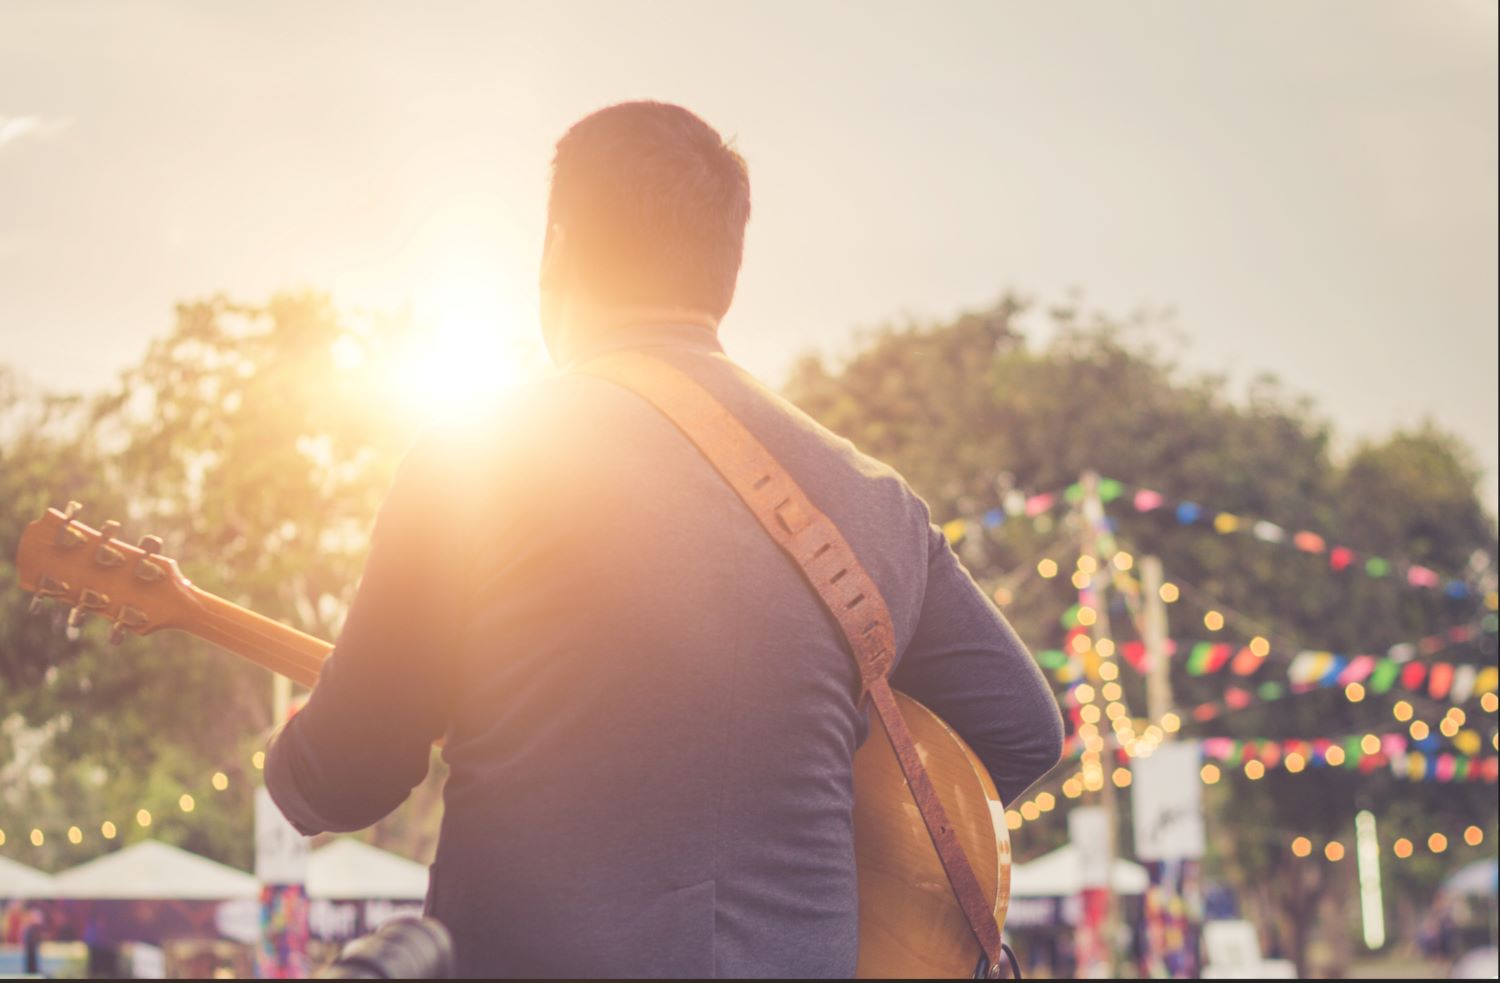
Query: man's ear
555, 258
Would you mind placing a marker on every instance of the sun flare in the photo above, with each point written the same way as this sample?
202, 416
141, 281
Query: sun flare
462, 351
458, 369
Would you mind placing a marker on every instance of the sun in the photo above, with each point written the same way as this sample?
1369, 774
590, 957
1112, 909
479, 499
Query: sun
450, 360
468, 350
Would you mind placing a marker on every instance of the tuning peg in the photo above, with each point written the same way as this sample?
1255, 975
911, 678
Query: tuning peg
145, 569
106, 555
129, 618
92, 600
67, 536
76, 617
51, 587
72, 511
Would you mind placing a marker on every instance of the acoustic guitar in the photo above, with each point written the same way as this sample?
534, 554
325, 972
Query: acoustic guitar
910, 924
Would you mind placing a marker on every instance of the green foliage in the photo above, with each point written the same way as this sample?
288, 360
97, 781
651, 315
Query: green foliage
970, 409
261, 462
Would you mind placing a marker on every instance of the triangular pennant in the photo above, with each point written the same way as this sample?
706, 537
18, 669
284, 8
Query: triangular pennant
1412, 674
1146, 500
1268, 532
1358, 670
1439, 680
1309, 542
1384, 675
1463, 683
1245, 662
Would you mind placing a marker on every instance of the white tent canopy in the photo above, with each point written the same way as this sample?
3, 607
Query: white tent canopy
1060, 874
21, 881
348, 869
151, 869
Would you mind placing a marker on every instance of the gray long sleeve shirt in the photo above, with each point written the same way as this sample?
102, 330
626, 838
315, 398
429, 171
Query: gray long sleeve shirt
650, 720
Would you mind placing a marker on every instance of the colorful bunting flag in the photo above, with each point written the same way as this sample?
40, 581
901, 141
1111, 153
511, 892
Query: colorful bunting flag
1147, 501
1384, 675
1268, 532
1037, 504
1207, 657
1421, 577
1439, 680
1358, 670
1309, 542
1412, 674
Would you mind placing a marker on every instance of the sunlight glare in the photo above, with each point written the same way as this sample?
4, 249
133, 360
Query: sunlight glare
466, 355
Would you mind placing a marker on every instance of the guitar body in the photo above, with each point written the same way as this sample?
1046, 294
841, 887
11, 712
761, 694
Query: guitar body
910, 922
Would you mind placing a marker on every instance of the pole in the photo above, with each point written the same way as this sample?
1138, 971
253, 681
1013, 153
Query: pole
281, 699
1093, 516
1154, 632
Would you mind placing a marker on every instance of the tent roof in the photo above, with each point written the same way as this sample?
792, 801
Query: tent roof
20, 881
347, 868
1059, 874
1480, 877
151, 869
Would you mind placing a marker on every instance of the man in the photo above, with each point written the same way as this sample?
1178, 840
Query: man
649, 718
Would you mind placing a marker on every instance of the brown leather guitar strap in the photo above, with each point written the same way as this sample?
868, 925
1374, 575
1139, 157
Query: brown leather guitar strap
825, 558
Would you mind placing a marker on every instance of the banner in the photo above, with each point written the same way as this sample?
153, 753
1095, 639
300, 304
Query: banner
1167, 800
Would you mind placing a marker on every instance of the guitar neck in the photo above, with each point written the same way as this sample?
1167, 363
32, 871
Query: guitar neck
267, 643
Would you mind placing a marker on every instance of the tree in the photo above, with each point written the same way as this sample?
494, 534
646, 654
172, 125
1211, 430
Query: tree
968, 409
252, 448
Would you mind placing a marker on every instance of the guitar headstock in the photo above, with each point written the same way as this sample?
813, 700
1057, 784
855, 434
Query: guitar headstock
135, 587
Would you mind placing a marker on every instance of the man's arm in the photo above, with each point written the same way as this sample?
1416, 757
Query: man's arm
362, 742
967, 664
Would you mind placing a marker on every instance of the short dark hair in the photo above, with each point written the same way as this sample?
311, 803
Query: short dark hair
655, 203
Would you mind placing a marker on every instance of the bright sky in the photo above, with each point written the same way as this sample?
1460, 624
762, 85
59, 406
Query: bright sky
1311, 186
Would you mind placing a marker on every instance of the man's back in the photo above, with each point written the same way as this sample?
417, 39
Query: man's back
650, 719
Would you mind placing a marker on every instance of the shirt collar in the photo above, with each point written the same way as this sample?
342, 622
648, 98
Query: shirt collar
647, 334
